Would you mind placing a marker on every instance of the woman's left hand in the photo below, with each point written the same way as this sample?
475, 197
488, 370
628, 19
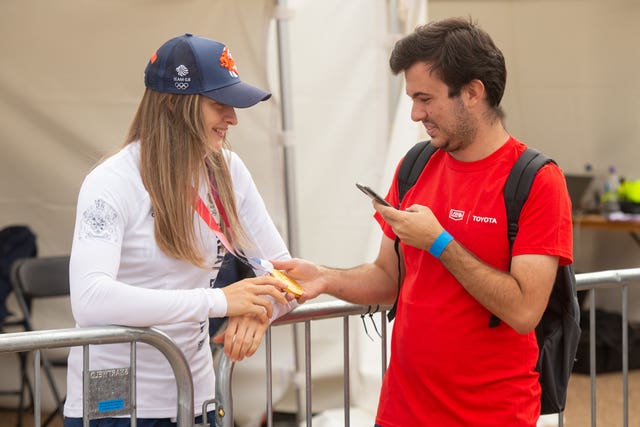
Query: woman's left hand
242, 336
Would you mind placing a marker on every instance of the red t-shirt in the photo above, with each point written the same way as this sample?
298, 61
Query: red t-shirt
447, 367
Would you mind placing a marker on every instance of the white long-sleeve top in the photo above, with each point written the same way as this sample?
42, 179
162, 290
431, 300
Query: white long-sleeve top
119, 276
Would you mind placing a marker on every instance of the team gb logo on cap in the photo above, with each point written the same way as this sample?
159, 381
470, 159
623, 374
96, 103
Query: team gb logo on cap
226, 60
182, 81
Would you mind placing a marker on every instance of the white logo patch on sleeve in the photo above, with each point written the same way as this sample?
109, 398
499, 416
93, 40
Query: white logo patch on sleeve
99, 221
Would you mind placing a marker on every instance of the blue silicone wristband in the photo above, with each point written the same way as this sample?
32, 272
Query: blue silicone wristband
441, 242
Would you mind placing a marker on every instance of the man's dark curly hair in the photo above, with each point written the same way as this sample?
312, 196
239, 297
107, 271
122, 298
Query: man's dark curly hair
458, 51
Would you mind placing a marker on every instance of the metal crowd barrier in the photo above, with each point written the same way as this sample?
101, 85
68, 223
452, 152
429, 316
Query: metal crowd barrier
35, 341
334, 309
612, 279
318, 311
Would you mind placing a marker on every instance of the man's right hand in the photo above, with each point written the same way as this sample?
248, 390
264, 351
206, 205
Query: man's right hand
306, 273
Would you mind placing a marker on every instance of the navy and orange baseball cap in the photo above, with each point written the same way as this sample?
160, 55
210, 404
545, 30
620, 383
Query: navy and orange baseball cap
191, 64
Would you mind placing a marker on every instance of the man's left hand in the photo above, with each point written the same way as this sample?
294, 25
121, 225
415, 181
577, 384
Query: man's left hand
416, 226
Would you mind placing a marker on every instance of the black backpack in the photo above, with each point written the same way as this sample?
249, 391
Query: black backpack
558, 332
231, 270
16, 241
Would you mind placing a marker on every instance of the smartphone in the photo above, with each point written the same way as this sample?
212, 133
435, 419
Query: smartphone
369, 192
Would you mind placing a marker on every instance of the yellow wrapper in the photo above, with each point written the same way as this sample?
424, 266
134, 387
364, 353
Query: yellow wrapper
292, 286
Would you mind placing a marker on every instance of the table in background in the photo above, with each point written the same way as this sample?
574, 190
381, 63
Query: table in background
630, 224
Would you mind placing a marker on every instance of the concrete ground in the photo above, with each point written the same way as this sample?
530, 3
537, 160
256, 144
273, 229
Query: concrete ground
577, 413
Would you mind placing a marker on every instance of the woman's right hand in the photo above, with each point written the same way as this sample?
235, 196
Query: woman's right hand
248, 296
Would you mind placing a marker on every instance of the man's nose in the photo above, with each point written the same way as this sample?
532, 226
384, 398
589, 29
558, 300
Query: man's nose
418, 113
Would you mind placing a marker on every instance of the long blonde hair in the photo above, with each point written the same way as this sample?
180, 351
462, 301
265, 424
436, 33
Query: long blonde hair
174, 157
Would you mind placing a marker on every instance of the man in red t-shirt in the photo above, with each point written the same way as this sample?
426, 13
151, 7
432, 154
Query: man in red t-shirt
447, 366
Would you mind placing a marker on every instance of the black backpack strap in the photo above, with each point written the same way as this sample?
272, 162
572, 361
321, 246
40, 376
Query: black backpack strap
412, 165
516, 190
518, 185
392, 313
410, 169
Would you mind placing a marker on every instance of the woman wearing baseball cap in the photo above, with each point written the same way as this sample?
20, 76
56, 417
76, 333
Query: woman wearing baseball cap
153, 224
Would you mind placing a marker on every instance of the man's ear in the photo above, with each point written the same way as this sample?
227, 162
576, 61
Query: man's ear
473, 92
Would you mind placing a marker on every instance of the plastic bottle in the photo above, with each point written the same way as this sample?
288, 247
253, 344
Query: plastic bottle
610, 202
591, 200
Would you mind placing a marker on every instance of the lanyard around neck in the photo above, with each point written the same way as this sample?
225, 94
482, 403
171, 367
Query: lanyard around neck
253, 263
205, 214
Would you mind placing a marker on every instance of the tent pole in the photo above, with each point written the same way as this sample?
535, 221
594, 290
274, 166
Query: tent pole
282, 33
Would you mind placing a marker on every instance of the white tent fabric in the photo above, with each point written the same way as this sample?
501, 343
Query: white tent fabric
71, 80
